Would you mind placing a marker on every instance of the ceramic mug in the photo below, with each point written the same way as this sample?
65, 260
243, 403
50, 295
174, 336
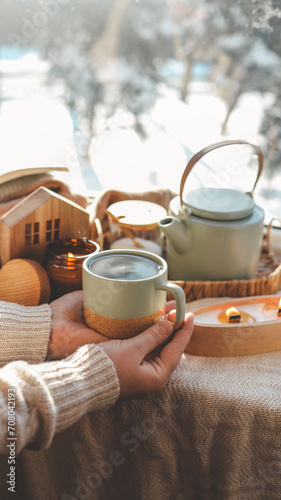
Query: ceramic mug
125, 292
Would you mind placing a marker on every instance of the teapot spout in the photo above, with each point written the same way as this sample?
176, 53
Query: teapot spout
177, 233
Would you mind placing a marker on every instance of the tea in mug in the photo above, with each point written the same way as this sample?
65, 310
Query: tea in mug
125, 267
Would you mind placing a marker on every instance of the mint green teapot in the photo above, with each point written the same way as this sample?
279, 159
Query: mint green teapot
213, 233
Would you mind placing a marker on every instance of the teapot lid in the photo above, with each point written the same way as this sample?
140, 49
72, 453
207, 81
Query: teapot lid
219, 204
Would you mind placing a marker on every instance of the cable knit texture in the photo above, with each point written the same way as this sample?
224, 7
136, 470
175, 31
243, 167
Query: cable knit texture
85, 381
24, 332
49, 396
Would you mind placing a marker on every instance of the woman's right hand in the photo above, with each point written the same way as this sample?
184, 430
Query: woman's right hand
141, 367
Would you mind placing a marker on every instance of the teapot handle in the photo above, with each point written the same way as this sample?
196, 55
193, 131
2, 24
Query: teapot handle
207, 149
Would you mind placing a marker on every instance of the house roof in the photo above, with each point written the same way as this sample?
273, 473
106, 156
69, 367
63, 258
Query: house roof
31, 203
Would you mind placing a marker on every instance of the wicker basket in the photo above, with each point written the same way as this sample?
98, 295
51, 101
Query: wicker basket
266, 282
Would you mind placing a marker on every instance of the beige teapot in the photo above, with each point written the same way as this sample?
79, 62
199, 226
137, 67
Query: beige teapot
213, 234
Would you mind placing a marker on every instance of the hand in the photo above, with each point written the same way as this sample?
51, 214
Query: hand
69, 330
140, 374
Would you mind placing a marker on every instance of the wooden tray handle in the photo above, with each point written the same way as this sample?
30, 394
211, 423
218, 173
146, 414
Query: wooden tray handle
217, 145
269, 229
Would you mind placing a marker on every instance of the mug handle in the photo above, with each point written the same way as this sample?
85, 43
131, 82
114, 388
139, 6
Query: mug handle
179, 297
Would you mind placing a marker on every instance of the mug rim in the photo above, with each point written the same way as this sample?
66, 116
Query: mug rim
124, 251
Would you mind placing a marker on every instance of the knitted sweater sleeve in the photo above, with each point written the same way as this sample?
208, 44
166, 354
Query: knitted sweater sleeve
49, 397
24, 332
38, 400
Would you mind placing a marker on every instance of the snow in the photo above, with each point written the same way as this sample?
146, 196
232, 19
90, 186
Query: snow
35, 132
26, 62
233, 42
261, 56
123, 161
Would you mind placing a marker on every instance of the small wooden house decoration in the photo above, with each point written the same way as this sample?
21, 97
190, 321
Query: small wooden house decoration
41, 217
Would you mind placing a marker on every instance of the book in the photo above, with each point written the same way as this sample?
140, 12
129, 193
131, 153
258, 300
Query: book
22, 172
15, 183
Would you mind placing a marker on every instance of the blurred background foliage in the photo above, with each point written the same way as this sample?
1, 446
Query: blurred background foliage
118, 54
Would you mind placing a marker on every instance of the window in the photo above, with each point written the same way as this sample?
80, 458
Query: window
32, 236
27, 240
175, 77
36, 228
27, 234
52, 230
57, 229
48, 230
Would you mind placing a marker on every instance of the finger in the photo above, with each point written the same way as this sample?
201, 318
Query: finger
154, 336
172, 315
170, 305
172, 352
90, 336
70, 298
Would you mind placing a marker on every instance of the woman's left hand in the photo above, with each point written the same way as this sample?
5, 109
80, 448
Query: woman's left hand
69, 330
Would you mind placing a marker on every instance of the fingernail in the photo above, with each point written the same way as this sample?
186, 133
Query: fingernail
166, 327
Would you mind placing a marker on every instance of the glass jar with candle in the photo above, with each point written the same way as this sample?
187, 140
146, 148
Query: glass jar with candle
134, 225
63, 262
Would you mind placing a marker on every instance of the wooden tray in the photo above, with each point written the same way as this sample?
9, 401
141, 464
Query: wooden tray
258, 331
